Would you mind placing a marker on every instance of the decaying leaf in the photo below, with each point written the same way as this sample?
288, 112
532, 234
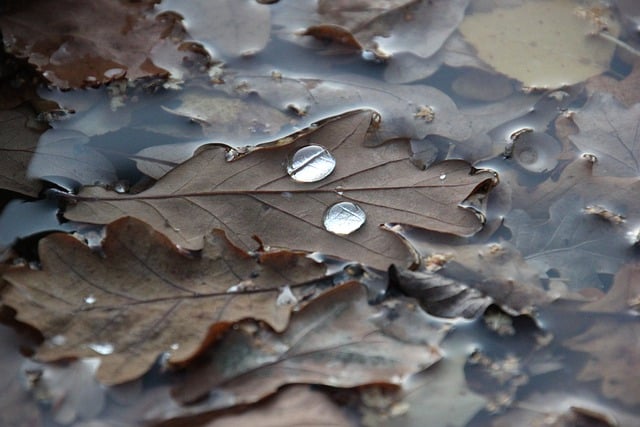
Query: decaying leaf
143, 298
612, 342
297, 405
232, 27
463, 280
542, 43
611, 132
76, 44
336, 340
17, 144
256, 196
401, 107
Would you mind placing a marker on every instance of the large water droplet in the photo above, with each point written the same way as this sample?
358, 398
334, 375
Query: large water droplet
102, 348
311, 164
344, 218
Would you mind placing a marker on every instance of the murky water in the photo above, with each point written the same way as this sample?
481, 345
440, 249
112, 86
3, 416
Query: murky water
497, 366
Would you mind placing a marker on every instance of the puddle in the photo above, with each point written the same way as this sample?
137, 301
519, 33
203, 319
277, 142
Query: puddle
551, 222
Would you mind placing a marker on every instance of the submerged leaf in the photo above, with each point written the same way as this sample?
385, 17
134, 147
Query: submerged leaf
143, 298
611, 132
255, 196
541, 43
17, 144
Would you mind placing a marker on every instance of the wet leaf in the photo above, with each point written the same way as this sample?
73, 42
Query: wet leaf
297, 405
457, 280
611, 342
524, 42
611, 132
17, 144
406, 111
256, 196
232, 27
66, 153
336, 340
134, 302
626, 91
96, 43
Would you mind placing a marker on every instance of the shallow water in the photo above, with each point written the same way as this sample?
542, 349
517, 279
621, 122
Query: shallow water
118, 133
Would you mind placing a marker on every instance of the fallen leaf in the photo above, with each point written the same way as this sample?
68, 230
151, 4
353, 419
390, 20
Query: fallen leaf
571, 246
524, 42
296, 405
626, 91
437, 394
132, 304
398, 105
96, 43
66, 153
456, 279
232, 27
336, 340
256, 196
611, 342
611, 132
17, 143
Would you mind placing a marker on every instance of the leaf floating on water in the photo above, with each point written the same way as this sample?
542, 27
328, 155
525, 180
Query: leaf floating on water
254, 195
145, 292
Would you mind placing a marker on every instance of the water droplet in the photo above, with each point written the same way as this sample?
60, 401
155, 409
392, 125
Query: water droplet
90, 299
102, 348
58, 340
344, 218
115, 73
311, 164
121, 187
443, 176
286, 297
175, 346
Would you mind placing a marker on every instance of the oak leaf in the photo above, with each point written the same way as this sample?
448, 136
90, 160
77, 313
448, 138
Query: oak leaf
142, 298
338, 340
255, 196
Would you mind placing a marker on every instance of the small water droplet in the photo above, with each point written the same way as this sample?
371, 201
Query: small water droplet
175, 346
311, 164
90, 299
121, 187
58, 340
286, 297
344, 218
443, 176
102, 348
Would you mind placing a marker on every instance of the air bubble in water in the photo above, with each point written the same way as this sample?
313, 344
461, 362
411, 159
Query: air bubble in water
311, 164
102, 348
344, 218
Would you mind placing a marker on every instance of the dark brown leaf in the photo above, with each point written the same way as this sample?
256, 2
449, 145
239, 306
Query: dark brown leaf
143, 298
255, 196
78, 43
